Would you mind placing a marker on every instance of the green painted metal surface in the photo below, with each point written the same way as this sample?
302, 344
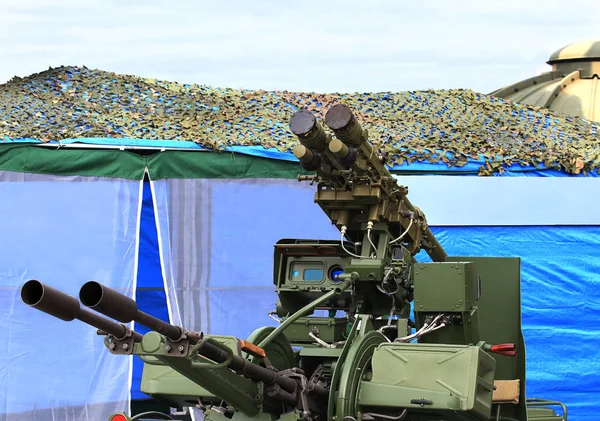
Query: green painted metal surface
445, 286
346, 347
328, 329
499, 312
458, 378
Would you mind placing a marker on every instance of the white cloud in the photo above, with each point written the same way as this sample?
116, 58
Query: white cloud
309, 45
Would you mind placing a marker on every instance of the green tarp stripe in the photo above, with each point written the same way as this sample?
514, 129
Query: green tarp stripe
130, 165
74, 162
180, 164
114, 163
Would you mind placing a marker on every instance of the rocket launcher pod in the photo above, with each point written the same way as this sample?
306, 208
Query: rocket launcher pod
354, 186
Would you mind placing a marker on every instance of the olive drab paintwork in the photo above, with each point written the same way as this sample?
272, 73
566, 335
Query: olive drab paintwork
348, 347
571, 87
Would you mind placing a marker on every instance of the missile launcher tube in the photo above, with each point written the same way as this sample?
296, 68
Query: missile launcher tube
351, 149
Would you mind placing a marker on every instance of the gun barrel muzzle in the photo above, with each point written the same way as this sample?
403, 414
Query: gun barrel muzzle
50, 300
343, 123
108, 302
65, 307
122, 308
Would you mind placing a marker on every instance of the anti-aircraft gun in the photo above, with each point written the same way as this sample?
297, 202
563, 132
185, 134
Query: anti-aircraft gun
367, 331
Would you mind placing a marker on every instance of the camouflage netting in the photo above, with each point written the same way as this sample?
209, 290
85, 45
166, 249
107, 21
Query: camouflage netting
450, 126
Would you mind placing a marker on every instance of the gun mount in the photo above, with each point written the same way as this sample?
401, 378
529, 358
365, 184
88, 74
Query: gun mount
355, 189
366, 331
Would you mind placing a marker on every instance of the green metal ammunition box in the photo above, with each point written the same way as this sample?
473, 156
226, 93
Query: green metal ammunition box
446, 286
168, 386
436, 377
327, 329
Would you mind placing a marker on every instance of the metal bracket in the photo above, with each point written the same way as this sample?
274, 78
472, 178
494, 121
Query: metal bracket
179, 348
120, 346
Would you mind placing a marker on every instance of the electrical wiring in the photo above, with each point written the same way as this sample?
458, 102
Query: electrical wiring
343, 231
324, 343
272, 316
320, 341
388, 417
414, 335
380, 286
152, 413
427, 328
403, 234
369, 229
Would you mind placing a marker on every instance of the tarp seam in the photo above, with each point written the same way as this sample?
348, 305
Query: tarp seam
138, 226
160, 246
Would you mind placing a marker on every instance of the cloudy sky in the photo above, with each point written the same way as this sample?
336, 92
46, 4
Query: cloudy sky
310, 45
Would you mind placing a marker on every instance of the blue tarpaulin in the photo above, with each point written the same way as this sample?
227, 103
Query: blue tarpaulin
239, 222
560, 281
62, 231
150, 292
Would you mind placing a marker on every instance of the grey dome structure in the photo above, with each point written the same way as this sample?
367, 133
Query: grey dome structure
572, 87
